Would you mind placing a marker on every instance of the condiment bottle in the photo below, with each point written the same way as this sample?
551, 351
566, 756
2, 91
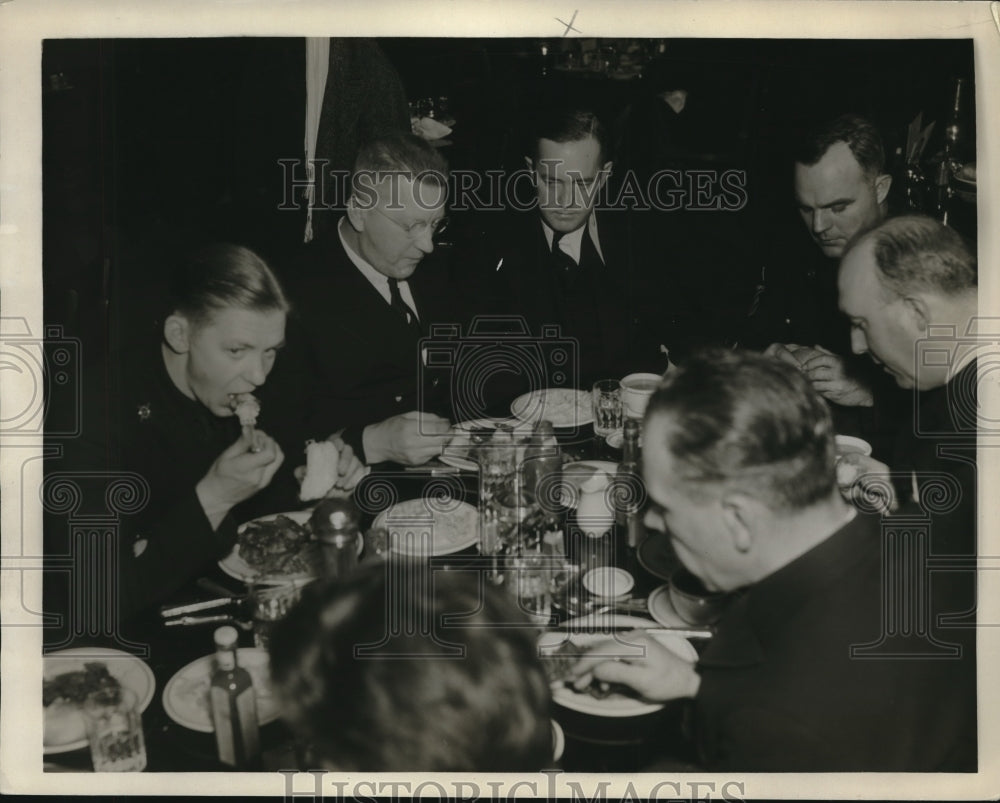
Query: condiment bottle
335, 524
628, 496
542, 467
234, 705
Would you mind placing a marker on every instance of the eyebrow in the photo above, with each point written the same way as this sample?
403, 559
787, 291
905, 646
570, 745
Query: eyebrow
834, 202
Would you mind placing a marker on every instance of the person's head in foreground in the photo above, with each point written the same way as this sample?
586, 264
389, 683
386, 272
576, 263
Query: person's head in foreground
841, 187
739, 466
224, 325
899, 284
570, 165
397, 206
375, 677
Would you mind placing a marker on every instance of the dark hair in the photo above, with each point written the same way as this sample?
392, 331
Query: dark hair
919, 253
224, 275
747, 421
406, 155
561, 124
376, 678
860, 135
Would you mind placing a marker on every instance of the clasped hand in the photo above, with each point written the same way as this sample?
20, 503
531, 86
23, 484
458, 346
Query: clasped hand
410, 439
826, 371
640, 662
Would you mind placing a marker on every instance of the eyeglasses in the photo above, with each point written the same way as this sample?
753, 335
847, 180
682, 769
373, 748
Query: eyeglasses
418, 229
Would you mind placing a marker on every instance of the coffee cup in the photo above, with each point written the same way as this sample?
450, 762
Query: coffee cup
636, 391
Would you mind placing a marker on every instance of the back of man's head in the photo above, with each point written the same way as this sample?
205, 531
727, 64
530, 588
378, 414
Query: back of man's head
857, 132
748, 423
376, 678
917, 254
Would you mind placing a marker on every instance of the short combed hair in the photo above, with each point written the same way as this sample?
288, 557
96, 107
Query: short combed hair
560, 124
404, 155
746, 421
437, 697
917, 253
223, 275
860, 135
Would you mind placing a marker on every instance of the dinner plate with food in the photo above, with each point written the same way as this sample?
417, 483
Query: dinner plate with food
276, 549
560, 650
69, 676
186, 695
564, 407
426, 527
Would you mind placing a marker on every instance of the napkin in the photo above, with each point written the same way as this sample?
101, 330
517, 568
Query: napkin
429, 129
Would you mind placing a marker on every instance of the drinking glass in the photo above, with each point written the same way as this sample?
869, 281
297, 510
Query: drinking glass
531, 585
114, 730
607, 399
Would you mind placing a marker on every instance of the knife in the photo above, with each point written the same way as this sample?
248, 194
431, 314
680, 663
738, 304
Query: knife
683, 632
193, 607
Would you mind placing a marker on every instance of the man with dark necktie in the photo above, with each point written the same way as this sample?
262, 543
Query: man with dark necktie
570, 263
361, 307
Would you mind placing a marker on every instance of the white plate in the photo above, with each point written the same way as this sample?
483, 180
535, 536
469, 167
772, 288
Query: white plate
564, 407
131, 672
185, 697
449, 527
578, 472
616, 439
239, 569
616, 705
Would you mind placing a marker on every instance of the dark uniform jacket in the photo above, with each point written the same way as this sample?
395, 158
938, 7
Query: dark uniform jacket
351, 359
781, 691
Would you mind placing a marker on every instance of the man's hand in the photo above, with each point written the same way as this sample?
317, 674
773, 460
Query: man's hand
865, 483
784, 352
411, 438
237, 474
827, 373
639, 661
350, 470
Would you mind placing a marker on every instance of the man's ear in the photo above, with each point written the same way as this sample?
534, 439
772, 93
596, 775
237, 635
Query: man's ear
919, 310
882, 185
739, 512
355, 215
177, 333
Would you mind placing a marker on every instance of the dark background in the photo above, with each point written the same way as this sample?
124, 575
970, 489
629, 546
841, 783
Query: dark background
152, 144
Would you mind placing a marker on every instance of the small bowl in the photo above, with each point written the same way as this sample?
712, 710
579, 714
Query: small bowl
694, 603
609, 583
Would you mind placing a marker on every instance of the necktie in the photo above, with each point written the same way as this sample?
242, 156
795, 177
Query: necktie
560, 259
397, 303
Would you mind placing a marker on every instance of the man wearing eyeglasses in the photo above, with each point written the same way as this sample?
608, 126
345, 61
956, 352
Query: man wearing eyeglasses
566, 261
362, 306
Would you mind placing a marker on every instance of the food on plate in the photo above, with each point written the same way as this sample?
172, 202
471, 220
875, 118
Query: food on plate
559, 662
410, 521
473, 439
62, 696
322, 459
564, 407
279, 546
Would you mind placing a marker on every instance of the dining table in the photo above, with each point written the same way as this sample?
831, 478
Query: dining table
656, 740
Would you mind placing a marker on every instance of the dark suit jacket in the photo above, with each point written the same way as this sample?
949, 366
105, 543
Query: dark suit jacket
350, 359
634, 322
781, 691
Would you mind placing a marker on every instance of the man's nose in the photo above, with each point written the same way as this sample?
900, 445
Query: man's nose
653, 520
820, 220
258, 371
859, 343
425, 240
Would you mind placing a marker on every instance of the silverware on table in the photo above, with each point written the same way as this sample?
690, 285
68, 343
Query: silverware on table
194, 607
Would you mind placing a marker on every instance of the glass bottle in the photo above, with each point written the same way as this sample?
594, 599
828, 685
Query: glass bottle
335, 525
628, 495
234, 705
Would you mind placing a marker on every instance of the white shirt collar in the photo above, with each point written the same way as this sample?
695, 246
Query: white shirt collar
378, 280
572, 243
